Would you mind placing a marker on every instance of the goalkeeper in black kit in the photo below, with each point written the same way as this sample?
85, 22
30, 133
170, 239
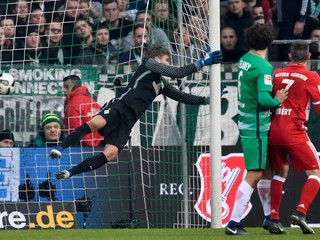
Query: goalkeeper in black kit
116, 118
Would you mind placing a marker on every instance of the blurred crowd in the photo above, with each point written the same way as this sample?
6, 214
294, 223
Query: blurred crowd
35, 32
102, 32
289, 19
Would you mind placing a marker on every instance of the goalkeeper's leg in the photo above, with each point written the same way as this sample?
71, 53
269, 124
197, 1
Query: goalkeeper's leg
93, 125
90, 163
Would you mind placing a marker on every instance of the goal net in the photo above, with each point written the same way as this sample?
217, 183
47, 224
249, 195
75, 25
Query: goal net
168, 146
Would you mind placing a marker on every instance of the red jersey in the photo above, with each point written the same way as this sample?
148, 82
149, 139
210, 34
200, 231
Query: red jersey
79, 109
288, 119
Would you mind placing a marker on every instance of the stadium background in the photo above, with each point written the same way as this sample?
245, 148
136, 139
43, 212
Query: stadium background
143, 188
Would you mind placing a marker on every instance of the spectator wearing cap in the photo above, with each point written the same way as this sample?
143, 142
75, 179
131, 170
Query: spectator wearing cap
32, 51
80, 107
6, 138
50, 133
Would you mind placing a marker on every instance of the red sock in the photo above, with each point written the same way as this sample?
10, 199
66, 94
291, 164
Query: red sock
276, 197
308, 193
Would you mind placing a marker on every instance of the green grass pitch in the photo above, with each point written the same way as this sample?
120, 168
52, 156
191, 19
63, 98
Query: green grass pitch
150, 234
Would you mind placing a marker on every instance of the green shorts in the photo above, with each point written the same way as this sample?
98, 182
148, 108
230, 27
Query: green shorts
255, 153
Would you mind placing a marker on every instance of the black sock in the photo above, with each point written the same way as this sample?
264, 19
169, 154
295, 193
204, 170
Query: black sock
89, 164
76, 136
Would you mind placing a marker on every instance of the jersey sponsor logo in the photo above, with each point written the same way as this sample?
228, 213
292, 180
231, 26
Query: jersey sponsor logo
233, 172
267, 79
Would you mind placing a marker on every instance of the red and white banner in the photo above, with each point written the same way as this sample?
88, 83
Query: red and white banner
233, 172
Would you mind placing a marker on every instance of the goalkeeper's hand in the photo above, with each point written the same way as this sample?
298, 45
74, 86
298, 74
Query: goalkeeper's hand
211, 58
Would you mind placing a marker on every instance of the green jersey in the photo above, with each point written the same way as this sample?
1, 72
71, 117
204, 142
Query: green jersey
254, 76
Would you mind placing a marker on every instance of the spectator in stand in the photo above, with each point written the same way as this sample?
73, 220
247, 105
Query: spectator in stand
50, 132
125, 13
118, 27
100, 52
21, 9
292, 17
68, 19
6, 138
156, 35
238, 18
191, 48
198, 31
162, 17
5, 51
231, 51
314, 45
137, 53
50, 8
84, 31
84, 37
198, 8
84, 7
79, 108
54, 53
90, 10
37, 18
8, 24
30, 55
8, 39
257, 10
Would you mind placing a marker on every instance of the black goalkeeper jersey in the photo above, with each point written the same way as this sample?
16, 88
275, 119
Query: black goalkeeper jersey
147, 83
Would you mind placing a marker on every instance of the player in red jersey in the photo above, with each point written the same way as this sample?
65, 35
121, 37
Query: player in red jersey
288, 138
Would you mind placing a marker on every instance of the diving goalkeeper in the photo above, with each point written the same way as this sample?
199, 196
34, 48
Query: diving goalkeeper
117, 117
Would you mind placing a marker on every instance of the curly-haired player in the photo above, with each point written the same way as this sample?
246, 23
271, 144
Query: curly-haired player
254, 103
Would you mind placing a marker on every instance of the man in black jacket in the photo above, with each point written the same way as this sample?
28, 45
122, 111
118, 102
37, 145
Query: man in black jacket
117, 117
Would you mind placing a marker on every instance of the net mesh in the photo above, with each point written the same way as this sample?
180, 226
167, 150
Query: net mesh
42, 42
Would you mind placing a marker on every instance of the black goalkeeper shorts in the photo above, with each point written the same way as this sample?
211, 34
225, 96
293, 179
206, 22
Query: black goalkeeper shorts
120, 120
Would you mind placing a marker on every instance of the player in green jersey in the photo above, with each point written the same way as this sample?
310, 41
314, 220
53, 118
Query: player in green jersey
254, 103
